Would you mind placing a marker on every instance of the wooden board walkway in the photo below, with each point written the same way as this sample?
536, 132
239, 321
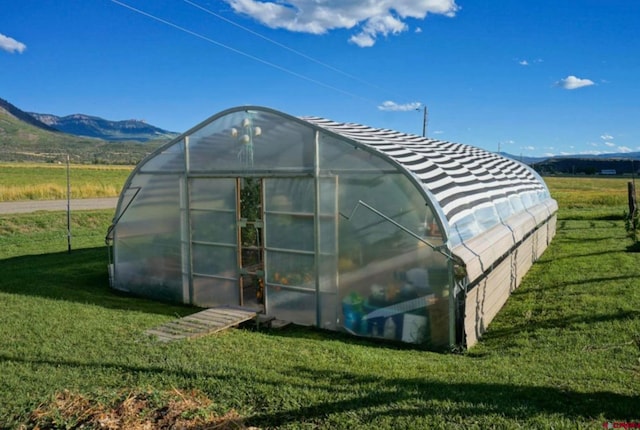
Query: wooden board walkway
209, 321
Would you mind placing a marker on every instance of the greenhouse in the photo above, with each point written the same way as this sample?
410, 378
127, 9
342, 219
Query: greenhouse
345, 227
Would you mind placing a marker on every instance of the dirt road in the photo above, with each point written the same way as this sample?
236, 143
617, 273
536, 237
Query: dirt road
57, 205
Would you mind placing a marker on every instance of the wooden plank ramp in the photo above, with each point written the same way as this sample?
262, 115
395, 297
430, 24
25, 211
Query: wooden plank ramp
202, 323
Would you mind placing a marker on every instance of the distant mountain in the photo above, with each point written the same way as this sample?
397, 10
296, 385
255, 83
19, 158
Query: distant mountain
25, 138
23, 116
610, 164
620, 155
91, 126
524, 159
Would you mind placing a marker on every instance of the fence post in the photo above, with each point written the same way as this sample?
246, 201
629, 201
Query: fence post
68, 208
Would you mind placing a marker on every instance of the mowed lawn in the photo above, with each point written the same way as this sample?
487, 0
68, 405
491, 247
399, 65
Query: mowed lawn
563, 353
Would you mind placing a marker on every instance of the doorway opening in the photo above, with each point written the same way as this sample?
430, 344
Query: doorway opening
251, 242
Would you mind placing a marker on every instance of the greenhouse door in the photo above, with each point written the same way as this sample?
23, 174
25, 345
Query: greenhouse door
289, 234
214, 237
250, 239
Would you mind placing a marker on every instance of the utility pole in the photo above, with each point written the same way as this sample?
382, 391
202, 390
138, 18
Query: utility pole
68, 208
424, 121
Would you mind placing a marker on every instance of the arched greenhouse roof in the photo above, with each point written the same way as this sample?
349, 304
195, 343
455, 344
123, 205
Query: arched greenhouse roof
471, 189
474, 188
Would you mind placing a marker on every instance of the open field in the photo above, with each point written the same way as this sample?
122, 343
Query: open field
40, 181
581, 192
563, 353
45, 181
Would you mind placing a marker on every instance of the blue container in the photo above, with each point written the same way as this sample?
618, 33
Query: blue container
352, 311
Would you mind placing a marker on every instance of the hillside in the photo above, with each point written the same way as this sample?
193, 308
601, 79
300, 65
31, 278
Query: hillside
24, 140
91, 126
10, 109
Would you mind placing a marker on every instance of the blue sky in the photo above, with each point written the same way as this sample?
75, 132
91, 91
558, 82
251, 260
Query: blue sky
529, 77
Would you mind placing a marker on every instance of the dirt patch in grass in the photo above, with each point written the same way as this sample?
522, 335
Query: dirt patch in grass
135, 411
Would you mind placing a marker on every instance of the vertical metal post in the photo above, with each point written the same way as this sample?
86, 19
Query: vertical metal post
265, 232
424, 122
185, 234
239, 244
453, 304
68, 207
316, 224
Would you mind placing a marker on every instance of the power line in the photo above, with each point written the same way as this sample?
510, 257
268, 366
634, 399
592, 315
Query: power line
283, 46
237, 51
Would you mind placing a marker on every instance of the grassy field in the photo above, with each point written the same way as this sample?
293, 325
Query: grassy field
588, 193
40, 181
563, 353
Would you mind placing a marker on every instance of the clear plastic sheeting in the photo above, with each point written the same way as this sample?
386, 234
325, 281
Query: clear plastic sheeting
251, 140
340, 226
148, 254
484, 217
170, 159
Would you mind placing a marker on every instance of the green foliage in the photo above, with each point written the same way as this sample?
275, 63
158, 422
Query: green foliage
250, 199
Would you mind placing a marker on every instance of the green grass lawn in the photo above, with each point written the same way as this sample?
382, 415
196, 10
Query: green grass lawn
563, 353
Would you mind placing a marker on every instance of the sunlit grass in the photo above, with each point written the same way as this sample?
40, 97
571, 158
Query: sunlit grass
49, 181
563, 353
582, 192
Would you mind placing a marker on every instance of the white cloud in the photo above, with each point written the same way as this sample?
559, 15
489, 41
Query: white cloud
571, 83
393, 106
437, 132
528, 63
609, 144
375, 26
624, 149
606, 137
370, 18
418, 30
11, 45
363, 40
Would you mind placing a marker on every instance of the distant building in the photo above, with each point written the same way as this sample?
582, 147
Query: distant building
608, 172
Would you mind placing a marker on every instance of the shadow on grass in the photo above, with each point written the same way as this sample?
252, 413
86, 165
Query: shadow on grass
371, 397
634, 248
324, 335
419, 397
80, 276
